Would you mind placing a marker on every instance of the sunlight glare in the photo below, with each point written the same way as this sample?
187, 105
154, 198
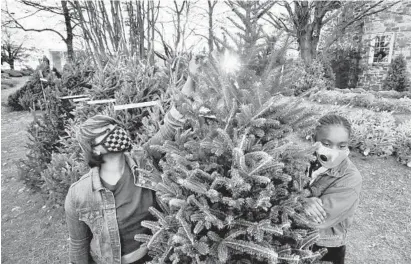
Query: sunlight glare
230, 62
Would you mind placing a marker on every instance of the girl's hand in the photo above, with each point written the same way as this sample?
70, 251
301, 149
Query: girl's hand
314, 209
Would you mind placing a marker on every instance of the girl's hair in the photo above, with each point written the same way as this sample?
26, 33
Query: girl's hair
88, 132
332, 120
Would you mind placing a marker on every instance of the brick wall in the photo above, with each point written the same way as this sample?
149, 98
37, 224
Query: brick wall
396, 20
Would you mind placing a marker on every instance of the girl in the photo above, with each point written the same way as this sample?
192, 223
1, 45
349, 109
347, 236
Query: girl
334, 188
105, 208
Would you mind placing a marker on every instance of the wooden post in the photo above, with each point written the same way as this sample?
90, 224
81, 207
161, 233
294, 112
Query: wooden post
81, 99
73, 96
104, 101
136, 105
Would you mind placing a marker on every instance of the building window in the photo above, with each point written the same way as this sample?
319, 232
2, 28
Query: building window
381, 48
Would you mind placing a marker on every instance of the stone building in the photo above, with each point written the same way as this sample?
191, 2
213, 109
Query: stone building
385, 36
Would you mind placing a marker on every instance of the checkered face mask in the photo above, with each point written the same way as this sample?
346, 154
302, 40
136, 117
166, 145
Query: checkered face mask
116, 141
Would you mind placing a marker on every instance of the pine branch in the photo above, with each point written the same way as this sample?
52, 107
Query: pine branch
251, 248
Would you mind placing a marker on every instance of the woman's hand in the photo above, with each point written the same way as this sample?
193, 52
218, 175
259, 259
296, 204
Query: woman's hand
195, 64
193, 69
314, 209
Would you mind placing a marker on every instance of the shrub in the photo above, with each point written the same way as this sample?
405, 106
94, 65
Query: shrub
345, 65
372, 133
403, 143
366, 100
14, 73
316, 74
4, 75
397, 78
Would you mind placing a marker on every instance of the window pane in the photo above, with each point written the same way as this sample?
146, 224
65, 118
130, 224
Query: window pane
381, 48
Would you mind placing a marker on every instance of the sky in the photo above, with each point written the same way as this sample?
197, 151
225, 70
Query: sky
48, 40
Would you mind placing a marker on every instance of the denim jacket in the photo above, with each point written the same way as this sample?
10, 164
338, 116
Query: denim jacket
339, 190
91, 216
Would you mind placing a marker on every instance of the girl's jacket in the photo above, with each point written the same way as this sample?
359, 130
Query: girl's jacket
339, 190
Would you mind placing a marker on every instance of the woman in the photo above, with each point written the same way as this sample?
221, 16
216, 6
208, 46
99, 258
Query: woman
105, 208
334, 188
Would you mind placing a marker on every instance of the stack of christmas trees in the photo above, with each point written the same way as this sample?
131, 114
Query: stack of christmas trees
232, 180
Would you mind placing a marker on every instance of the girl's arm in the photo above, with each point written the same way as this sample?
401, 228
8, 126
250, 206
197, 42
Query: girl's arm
340, 200
80, 234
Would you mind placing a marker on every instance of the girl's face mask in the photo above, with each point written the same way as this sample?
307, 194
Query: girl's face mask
330, 158
116, 141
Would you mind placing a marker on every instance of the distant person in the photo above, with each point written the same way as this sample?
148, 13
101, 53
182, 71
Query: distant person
334, 188
56, 73
44, 67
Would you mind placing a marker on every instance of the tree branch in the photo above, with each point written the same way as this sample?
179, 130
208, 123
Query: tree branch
19, 26
361, 16
40, 7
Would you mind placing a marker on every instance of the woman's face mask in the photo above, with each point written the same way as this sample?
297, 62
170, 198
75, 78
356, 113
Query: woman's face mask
331, 158
116, 141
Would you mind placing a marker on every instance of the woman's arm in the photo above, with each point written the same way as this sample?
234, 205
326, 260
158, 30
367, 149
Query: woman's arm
80, 234
173, 119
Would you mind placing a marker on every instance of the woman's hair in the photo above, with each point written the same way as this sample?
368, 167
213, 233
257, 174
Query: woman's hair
88, 132
332, 120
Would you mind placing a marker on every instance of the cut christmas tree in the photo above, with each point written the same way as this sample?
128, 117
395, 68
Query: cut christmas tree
231, 182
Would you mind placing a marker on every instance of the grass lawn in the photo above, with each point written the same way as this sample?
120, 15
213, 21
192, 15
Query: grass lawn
381, 232
34, 233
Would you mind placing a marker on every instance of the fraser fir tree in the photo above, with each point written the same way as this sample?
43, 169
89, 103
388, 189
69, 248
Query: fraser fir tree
231, 182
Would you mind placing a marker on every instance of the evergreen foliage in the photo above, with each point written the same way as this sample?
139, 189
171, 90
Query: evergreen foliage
318, 74
54, 161
75, 78
65, 167
398, 78
231, 182
128, 80
44, 136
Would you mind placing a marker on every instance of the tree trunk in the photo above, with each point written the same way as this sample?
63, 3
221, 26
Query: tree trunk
69, 29
140, 23
11, 63
308, 47
210, 26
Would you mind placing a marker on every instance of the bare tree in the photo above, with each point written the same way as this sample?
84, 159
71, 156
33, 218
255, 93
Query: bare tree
177, 21
62, 10
10, 49
306, 19
102, 26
